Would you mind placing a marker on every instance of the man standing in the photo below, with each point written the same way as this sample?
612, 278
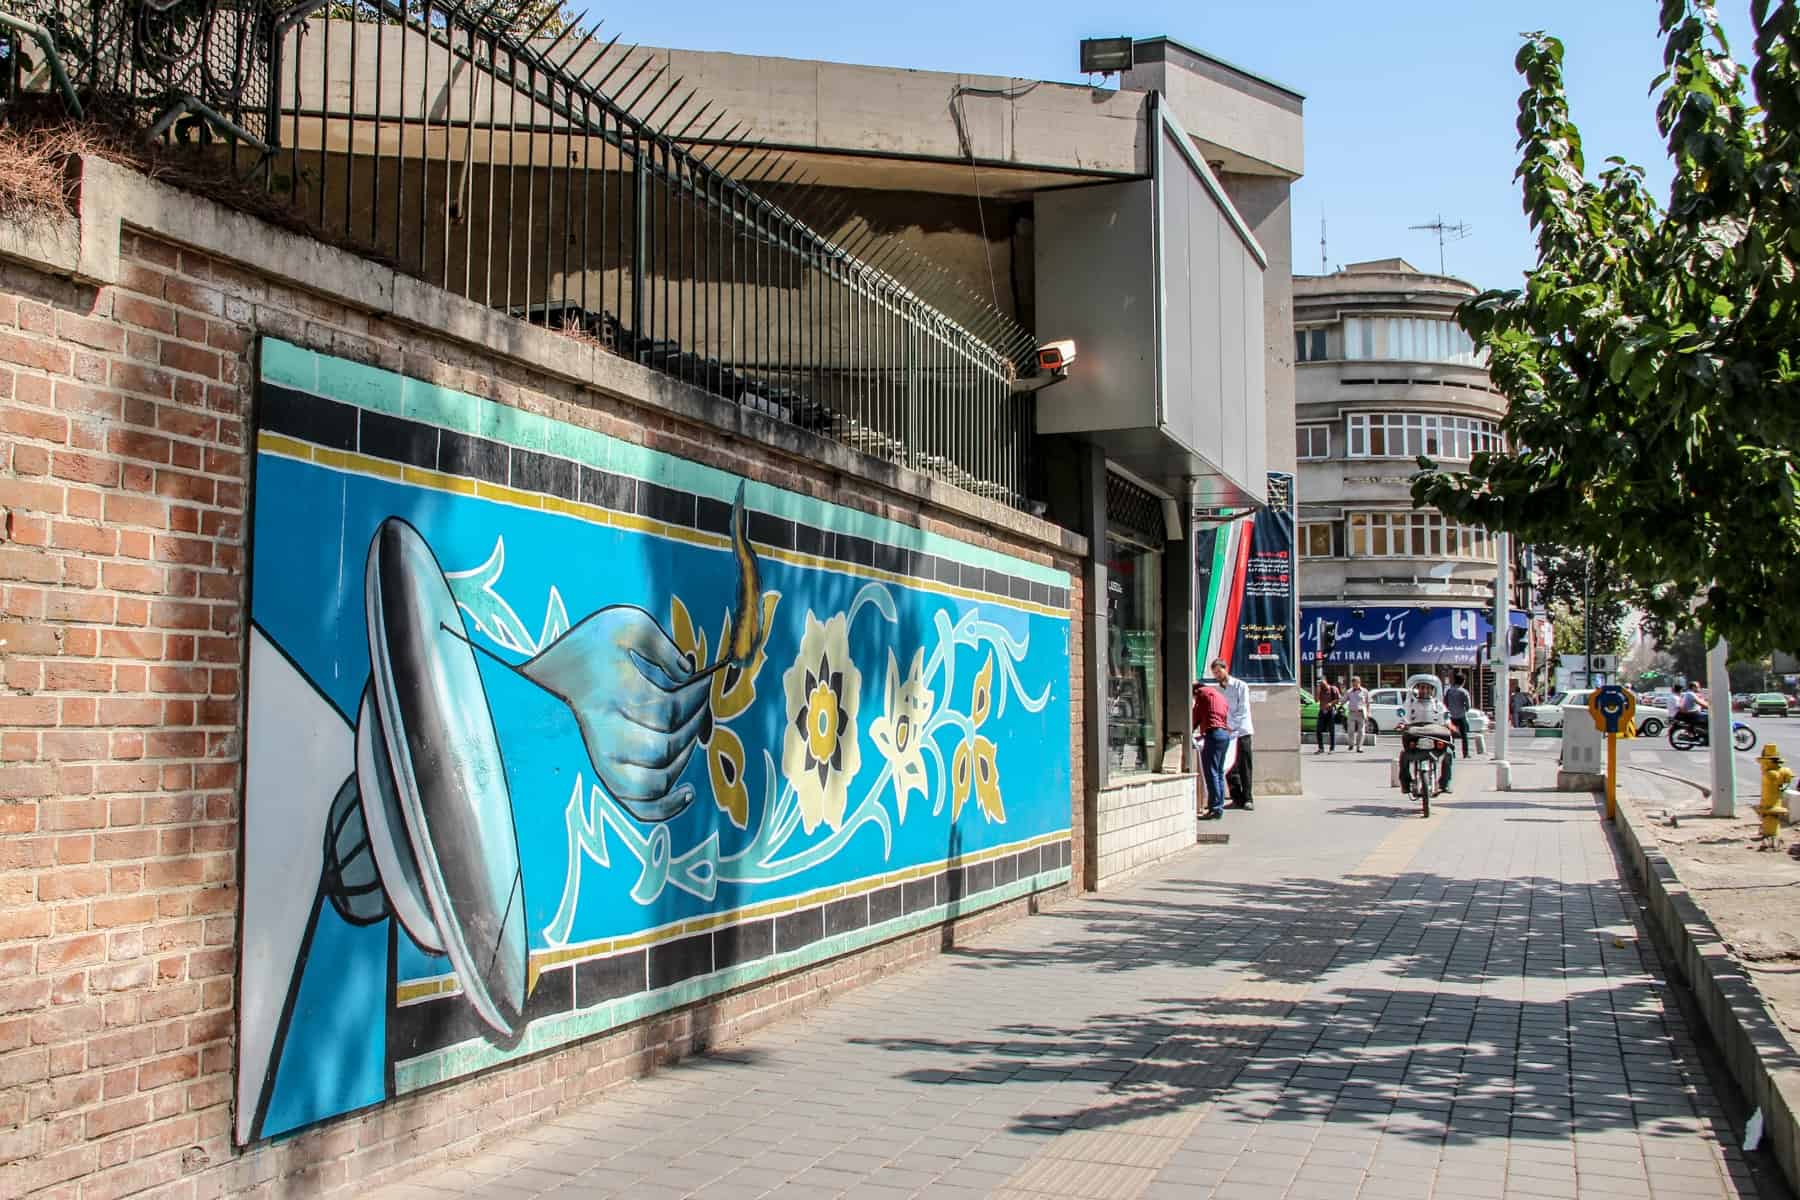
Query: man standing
1519, 701
1326, 726
1456, 704
1356, 703
1212, 728
1242, 729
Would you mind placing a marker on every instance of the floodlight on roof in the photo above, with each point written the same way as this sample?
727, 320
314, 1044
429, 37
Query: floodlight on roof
1106, 56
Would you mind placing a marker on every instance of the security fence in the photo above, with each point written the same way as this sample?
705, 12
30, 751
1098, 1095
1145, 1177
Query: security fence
514, 157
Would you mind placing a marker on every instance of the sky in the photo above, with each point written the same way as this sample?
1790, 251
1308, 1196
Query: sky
1410, 105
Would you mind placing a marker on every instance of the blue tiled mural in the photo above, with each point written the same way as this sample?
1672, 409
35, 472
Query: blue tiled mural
549, 732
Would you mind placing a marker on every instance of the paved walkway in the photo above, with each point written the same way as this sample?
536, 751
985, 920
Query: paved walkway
1346, 1001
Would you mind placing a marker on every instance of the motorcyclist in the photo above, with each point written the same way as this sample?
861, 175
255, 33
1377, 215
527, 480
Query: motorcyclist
1425, 716
1690, 709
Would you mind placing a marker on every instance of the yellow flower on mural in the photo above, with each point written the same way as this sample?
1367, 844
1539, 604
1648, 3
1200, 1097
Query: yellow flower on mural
962, 770
734, 687
982, 700
897, 732
820, 753
688, 639
725, 766
987, 782
974, 764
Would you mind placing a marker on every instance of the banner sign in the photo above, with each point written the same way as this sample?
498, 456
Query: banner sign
1433, 636
1244, 586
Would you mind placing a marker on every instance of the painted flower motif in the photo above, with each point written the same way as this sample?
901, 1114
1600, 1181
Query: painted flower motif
725, 766
974, 765
897, 732
962, 771
734, 687
820, 753
987, 782
981, 701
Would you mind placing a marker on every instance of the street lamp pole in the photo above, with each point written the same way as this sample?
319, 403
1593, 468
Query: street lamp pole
1718, 683
1587, 622
1501, 659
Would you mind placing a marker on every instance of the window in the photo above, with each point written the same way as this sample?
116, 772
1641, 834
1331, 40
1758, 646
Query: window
1408, 339
1416, 535
1134, 714
1314, 441
1315, 540
1408, 435
1309, 344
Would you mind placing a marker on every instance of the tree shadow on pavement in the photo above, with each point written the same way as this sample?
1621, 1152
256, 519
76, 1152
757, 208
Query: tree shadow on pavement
1432, 1008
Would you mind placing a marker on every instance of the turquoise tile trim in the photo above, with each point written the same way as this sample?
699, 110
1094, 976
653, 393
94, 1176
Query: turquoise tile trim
289, 365
547, 1033
436, 405
386, 391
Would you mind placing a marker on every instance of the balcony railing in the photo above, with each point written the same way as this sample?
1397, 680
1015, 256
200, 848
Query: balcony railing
526, 164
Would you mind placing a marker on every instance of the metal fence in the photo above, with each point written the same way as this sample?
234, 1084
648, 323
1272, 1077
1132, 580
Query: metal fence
524, 163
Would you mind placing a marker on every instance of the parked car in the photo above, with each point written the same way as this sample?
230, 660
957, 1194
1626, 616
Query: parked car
1309, 712
1387, 707
1651, 717
1769, 704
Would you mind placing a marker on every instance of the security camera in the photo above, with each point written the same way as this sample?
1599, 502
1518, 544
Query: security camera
1056, 356
1051, 365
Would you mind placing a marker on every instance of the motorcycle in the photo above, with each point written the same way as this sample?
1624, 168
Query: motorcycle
1692, 733
1424, 755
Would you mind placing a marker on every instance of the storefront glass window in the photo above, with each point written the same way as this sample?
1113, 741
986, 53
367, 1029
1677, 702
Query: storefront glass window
1134, 635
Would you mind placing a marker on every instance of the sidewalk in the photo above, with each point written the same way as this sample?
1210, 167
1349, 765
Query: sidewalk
1346, 1001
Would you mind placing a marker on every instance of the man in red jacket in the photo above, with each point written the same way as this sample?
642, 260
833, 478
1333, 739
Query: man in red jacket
1212, 729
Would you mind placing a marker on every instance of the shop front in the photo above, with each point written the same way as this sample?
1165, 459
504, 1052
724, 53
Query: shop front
1383, 646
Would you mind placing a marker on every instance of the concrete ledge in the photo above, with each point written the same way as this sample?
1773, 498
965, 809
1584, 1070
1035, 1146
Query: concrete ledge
1756, 1053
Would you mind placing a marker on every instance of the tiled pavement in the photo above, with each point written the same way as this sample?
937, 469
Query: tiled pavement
1346, 1001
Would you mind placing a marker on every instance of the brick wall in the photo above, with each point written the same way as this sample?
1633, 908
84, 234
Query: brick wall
123, 418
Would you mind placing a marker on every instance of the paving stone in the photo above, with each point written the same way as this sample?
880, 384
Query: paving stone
1339, 1005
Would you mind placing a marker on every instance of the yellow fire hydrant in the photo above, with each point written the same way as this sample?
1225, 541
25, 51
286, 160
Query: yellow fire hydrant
1775, 780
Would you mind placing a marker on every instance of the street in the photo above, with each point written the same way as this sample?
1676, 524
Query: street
1345, 1001
1694, 766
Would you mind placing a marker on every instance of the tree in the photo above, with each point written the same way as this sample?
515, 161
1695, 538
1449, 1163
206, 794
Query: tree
1649, 358
1571, 578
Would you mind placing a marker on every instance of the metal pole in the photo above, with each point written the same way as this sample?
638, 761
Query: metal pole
1587, 623
1718, 686
1502, 668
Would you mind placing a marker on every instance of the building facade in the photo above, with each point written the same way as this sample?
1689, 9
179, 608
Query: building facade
571, 593
1384, 375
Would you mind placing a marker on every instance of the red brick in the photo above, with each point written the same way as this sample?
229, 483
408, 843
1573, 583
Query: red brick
86, 331
143, 380
34, 423
84, 468
89, 539
132, 577
38, 355
144, 313
193, 360
91, 402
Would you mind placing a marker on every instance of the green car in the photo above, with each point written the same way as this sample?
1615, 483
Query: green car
1769, 704
1309, 712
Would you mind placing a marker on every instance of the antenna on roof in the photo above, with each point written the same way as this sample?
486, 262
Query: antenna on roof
1324, 268
1445, 233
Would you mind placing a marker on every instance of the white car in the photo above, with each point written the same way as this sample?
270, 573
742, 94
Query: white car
1652, 718
1387, 708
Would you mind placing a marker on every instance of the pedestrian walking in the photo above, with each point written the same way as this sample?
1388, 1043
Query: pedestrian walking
1519, 700
1456, 704
1325, 729
1212, 729
1356, 703
1238, 780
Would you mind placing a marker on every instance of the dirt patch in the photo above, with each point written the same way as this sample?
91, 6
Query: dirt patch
1748, 892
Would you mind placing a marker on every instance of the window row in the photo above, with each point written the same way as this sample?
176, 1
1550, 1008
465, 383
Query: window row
1396, 535
1403, 435
1408, 339
1408, 435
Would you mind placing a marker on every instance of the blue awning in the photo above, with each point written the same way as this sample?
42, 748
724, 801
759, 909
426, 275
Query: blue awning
1447, 636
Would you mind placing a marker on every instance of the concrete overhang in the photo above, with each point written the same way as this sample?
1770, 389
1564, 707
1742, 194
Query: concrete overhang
1243, 123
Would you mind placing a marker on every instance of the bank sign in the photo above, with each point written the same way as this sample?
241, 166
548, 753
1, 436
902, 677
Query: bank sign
1435, 636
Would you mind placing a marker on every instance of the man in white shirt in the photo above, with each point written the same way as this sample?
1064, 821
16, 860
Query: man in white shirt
1424, 710
1242, 728
1356, 703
